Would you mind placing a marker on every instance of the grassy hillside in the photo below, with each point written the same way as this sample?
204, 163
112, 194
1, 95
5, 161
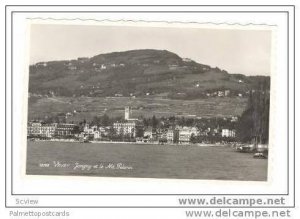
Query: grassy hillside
88, 107
153, 82
136, 72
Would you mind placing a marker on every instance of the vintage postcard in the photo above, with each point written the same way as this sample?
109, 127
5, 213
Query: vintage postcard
149, 100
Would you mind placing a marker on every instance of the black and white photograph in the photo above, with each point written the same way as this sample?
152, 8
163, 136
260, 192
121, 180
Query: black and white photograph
149, 101
150, 111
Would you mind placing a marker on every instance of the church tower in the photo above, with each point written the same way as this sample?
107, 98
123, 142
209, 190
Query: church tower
127, 112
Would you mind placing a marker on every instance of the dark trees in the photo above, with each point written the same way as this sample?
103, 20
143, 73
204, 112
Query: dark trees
254, 122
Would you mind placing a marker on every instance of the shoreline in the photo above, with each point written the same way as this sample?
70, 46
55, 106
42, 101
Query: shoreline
138, 143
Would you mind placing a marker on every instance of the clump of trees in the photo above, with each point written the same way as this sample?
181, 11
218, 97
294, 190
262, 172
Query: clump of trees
254, 122
104, 120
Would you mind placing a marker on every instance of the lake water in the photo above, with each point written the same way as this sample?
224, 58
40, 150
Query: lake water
145, 161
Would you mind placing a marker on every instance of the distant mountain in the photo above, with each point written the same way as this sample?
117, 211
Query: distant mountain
136, 73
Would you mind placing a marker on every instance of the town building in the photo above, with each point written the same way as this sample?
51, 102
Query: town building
228, 133
40, 129
34, 128
185, 134
220, 93
160, 135
97, 135
90, 132
234, 119
72, 67
104, 131
148, 133
129, 127
65, 129
172, 135
125, 128
48, 130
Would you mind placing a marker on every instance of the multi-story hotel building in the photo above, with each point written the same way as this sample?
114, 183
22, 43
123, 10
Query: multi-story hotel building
65, 129
40, 129
125, 128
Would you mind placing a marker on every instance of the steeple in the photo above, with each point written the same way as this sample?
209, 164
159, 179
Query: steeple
127, 112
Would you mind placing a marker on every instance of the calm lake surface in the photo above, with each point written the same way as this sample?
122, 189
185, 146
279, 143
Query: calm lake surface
146, 161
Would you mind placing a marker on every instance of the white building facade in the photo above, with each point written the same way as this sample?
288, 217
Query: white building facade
125, 128
228, 133
185, 134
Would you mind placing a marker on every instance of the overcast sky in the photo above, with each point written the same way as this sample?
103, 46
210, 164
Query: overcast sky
237, 51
